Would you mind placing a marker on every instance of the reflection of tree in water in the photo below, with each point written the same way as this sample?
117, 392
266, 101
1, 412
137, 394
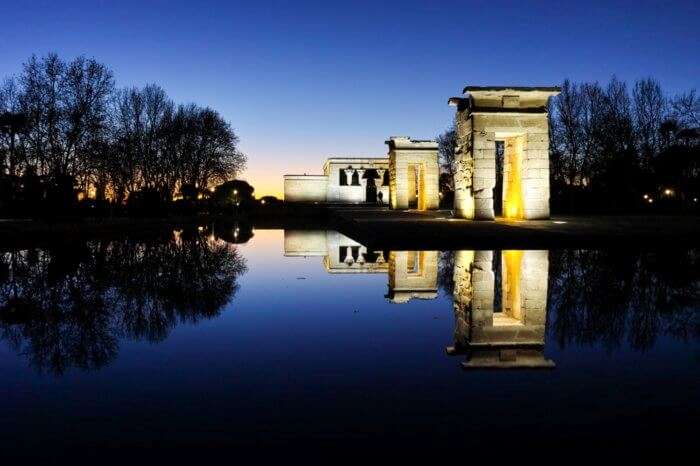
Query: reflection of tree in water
609, 297
68, 306
446, 265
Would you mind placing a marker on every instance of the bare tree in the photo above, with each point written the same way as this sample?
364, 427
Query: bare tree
649, 114
447, 142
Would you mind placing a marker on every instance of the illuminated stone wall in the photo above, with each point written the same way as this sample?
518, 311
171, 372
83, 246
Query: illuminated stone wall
305, 188
517, 116
421, 156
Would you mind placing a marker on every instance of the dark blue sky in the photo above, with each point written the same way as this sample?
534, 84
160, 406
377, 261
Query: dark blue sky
304, 80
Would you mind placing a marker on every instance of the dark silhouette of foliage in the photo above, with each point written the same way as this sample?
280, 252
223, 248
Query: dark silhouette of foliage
64, 120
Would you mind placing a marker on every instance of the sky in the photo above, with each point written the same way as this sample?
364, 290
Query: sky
302, 81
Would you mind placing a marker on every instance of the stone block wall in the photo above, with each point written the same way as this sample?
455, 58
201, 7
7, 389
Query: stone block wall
305, 188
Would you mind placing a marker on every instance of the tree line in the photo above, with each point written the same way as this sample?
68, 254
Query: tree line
616, 147
65, 127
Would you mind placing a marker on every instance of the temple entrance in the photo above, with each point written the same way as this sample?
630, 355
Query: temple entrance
413, 186
513, 198
498, 188
371, 191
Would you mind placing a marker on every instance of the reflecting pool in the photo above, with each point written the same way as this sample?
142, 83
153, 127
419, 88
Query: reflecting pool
203, 339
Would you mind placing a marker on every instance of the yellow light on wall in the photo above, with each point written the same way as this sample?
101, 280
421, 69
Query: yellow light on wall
514, 203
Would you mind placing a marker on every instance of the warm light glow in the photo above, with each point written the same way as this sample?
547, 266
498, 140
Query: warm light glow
668, 192
512, 265
651, 201
513, 205
646, 196
235, 191
263, 202
199, 196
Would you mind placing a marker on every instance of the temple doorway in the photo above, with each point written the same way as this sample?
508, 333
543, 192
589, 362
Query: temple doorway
413, 186
371, 191
513, 198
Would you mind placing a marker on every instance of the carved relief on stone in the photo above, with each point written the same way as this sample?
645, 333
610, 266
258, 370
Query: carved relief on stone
464, 173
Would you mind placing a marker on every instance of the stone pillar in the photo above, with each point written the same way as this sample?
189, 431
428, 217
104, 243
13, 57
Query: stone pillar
348, 256
533, 288
536, 169
473, 295
484, 153
360, 174
380, 173
348, 174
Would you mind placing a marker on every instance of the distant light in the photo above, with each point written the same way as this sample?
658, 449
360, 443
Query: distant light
263, 202
651, 200
668, 192
646, 196
235, 191
211, 189
200, 228
695, 199
559, 222
199, 196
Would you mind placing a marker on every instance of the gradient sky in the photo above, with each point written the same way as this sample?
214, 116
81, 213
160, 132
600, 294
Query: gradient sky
302, 81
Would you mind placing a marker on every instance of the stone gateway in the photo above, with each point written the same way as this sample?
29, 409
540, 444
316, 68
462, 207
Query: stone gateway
517, 117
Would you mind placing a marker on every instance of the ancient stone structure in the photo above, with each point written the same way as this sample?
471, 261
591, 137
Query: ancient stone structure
411, 274
407, 178
514, 335
340, 254
517, 117
344, 180
413, 174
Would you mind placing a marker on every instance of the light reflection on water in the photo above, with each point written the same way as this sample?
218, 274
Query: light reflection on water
278, 327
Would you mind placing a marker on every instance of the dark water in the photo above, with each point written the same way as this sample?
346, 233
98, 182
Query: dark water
298, 342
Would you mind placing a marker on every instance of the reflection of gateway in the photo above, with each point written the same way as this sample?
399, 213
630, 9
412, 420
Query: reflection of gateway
514, 336
412, 274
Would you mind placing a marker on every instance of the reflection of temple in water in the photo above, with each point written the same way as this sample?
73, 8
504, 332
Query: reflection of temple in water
412, 274
513, 336
510, 337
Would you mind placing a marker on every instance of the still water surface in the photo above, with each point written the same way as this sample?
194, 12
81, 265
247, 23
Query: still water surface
305, 339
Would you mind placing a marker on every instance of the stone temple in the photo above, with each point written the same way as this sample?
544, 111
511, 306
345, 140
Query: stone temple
407, 178
516, 184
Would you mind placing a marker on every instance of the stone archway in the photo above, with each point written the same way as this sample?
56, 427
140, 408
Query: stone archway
518, 117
